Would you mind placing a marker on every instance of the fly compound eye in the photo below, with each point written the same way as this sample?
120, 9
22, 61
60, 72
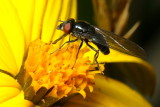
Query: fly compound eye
67, 28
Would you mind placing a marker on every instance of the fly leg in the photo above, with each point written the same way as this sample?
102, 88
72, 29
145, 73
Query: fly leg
95, 56
64, 35
78, 53
68, 43
64, 44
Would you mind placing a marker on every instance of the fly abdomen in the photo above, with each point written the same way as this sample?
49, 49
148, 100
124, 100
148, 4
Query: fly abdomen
101, 43
103, 48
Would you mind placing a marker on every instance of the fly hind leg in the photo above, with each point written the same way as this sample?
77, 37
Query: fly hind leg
95, 56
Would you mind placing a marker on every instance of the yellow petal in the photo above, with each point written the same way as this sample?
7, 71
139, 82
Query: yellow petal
9, 87
120, 92
131, 67
8, 93
6, 55
51, 14
17, 101
115, 56
38, 16
56, 10
11, 94
12, 29
71, 7
8, 81
25, 12
134, 69
73, 12
24, 21
109, 93
138, 75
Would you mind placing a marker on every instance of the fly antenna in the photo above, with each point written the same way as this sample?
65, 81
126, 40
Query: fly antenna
60, 21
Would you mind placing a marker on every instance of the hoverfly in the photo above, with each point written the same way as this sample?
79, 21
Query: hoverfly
101, 38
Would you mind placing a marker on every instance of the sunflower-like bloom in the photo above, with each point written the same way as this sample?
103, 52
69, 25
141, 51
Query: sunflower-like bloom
35, 72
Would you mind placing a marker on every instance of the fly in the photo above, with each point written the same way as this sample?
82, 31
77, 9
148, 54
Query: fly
101, 38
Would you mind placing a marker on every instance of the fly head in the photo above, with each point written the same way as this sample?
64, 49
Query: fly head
66, 26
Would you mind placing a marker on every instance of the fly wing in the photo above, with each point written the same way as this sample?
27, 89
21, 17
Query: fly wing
121, 44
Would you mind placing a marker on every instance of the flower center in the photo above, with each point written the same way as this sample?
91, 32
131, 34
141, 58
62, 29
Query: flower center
55, 70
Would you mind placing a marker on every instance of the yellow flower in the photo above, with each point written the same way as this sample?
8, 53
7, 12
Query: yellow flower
34, 73
57, 71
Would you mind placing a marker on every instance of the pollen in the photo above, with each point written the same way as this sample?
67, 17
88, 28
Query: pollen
56, 69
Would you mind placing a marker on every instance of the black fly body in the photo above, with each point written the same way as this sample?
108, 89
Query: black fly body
101, 38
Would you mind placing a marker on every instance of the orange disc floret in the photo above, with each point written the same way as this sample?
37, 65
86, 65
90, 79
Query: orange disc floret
55, 69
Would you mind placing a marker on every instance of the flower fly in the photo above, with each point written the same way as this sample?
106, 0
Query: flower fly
101, 38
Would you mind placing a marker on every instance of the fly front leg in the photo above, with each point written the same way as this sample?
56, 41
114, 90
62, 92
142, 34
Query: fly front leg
64, 35
64, 44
